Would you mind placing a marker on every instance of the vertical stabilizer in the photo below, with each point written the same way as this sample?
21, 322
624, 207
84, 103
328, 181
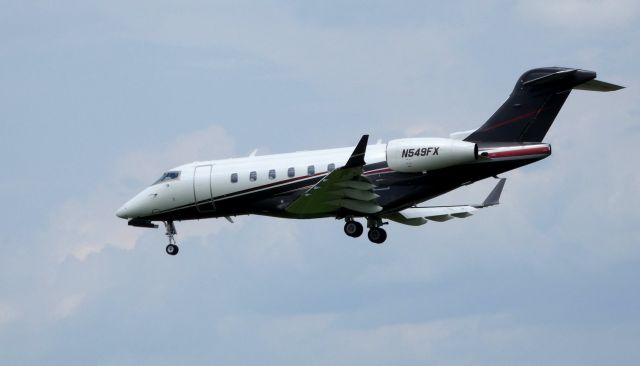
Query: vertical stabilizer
534, 103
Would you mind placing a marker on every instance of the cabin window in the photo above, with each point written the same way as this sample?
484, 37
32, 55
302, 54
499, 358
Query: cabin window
311, 170
272, 174
234, 178
253, 176
168, 176
331, 167
291, 172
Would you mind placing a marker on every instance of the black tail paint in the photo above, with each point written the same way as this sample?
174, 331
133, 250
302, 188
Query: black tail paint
532, 106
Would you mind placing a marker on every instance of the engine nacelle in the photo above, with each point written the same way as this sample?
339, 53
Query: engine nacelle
415, 155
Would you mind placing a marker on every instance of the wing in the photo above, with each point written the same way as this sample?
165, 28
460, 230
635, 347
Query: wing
420, 215
343, 188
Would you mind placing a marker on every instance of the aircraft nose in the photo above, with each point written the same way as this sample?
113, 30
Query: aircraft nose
130, 209
123, 212
138, 206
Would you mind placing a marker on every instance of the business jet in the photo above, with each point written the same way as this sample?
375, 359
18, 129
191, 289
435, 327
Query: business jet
371, 183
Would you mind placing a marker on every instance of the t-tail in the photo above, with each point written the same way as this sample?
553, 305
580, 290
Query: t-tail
534, 103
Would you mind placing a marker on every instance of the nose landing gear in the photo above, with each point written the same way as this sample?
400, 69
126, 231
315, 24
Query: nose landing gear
172, 247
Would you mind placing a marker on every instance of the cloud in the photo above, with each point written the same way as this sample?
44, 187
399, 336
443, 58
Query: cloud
86, 225
68, 305
328, 56
147, 163
332, 342
490, 338
521, 283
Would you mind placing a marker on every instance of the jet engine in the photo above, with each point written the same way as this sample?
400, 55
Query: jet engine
414, 155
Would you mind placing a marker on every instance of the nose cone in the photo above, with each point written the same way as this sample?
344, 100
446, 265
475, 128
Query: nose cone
138, 206
123, 212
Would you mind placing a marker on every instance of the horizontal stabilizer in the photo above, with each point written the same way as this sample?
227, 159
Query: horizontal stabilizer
597, 85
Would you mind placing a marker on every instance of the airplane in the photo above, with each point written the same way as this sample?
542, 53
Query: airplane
377, 182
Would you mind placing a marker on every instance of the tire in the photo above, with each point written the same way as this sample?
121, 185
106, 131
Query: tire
172, 249
353, 229
377, 235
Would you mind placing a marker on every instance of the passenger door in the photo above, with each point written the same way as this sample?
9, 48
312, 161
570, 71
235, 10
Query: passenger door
202, 188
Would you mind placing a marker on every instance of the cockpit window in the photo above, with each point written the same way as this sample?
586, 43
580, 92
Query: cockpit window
168, 176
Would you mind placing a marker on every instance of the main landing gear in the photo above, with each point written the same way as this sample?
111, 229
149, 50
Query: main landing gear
353, 228
172, 247
376, 233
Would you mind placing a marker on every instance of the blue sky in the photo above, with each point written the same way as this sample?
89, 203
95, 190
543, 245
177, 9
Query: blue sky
98, 98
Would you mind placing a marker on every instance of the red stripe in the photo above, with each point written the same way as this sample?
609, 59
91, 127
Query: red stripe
514, 119
287, 181
265, 186
521, 152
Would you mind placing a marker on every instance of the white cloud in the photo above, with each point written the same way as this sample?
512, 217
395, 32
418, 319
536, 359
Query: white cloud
68, 305
81, 227
274, 241
148, 162
86, 225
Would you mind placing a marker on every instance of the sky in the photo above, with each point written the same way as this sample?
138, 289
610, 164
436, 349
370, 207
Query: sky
97, 99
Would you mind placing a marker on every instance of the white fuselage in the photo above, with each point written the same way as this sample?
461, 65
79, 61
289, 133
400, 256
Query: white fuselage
268, 184
206, 179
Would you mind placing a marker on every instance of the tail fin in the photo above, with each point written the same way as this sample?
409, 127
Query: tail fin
534, 103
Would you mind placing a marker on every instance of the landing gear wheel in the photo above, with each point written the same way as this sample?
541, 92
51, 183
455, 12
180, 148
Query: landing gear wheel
353, 228
172, 249
377, 235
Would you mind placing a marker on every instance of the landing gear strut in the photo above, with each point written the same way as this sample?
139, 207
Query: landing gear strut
376, 234
172, 247
353, 228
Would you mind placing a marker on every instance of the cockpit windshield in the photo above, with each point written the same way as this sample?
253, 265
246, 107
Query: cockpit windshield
168, 176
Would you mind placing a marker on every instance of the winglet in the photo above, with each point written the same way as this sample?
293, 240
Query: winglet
494, 197
357, 157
